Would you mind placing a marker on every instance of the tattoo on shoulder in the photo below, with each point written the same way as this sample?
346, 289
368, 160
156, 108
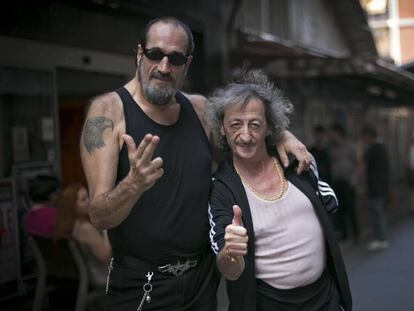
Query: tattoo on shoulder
93, 132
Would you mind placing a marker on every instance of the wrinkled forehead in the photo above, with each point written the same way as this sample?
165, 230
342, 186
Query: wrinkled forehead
252, 107
167, 36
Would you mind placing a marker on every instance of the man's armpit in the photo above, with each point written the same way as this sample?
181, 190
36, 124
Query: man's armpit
93, 132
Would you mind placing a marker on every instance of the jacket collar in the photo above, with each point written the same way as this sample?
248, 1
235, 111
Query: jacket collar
226, 170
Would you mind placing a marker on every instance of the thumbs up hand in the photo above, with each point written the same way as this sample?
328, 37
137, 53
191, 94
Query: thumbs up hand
235, 236
237, 216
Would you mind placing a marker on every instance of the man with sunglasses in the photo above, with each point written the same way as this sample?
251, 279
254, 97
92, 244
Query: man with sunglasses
146, 155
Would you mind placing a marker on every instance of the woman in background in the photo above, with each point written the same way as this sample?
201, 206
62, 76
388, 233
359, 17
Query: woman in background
73, 220
40, 220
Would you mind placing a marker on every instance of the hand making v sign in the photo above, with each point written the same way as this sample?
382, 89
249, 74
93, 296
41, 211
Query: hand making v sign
143, 172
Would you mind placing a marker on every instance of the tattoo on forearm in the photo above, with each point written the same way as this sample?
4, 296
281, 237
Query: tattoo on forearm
93, 132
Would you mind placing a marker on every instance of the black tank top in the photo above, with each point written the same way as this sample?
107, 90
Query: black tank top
170, 219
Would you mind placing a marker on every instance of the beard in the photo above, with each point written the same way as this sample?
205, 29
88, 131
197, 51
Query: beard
157, 95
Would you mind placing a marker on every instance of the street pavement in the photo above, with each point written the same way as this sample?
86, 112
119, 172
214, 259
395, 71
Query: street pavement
381, 280
384, 280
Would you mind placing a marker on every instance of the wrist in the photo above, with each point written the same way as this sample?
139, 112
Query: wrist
131, 186
231, 270
230, 258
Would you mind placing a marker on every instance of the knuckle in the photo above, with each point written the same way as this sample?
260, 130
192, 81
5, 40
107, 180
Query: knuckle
140, 170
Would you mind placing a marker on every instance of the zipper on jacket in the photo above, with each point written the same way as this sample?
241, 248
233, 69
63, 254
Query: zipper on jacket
110, 267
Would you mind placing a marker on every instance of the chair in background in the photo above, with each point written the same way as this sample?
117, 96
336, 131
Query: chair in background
86, 293
62, 259
57, 269
41, 284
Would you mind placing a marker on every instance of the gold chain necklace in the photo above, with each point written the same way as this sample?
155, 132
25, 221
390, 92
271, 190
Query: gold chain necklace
281, 178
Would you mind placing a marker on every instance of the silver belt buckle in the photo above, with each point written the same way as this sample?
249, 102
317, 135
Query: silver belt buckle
179, 268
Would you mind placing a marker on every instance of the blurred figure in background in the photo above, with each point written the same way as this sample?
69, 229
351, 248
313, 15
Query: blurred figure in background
377, 172
320, 152
41, 218
50, 249
66, 217
94, 243
343, 167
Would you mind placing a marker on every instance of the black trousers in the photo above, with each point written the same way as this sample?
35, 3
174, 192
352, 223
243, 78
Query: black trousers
194, 290
321, 295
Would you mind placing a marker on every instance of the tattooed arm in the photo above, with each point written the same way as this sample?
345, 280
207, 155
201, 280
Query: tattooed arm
102, 137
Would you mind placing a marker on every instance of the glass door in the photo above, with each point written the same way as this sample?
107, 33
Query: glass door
27, 136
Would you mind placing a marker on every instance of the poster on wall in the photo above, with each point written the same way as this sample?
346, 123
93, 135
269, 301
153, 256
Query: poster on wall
48, 134
20, 144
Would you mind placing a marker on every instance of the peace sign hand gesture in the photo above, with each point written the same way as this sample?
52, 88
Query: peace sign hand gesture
143, 172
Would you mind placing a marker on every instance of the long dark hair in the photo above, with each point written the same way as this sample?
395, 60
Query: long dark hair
67, 211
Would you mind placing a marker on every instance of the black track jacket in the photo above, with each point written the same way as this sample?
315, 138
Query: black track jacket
227, 190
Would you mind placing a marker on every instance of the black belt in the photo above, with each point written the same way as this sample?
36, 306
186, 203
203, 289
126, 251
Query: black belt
175, 267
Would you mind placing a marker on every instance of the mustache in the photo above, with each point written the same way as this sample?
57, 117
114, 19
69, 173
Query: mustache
161, 76
244, 144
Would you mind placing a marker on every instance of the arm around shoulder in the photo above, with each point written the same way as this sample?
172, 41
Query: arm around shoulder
289, 144
200, 104
326, 193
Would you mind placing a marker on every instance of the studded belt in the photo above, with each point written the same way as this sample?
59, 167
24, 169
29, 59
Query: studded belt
176, 268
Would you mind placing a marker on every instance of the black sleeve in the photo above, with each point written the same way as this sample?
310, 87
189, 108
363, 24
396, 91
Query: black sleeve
324, 191
220, 212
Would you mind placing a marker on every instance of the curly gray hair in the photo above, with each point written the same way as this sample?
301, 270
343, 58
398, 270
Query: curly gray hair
253, 84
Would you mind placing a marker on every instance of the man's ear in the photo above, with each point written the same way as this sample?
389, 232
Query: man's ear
140, 51
187, 64
189, 60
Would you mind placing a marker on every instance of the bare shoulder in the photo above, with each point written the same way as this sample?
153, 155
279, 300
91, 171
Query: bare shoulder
105, 112
199, 102
108, 104
85, 228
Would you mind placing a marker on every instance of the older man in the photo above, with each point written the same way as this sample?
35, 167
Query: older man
153, 197
269, 226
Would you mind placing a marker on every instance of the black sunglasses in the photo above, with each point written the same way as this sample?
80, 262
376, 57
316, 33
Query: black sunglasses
174, 58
